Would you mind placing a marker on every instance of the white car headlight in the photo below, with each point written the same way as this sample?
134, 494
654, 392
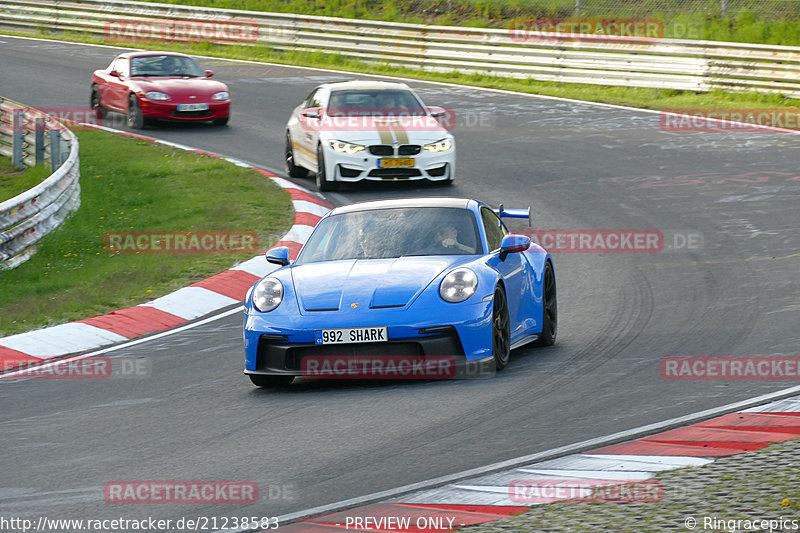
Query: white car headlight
156, 95
458, 285
439, 146
268, 294
346, 147
222, 95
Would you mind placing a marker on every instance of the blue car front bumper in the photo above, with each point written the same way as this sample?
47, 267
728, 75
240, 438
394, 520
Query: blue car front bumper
276, 343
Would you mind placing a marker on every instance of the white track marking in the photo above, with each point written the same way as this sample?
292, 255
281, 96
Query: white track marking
553, 453
191, 302
105, 351
61, 340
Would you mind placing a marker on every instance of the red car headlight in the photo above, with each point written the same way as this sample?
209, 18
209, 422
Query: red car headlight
156, 95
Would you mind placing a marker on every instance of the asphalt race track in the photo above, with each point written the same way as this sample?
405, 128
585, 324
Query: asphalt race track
580, 166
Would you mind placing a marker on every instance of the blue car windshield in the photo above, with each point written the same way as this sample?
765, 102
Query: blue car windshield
394, 232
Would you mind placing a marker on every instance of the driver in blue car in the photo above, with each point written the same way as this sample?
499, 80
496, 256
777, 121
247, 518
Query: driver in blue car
447, 237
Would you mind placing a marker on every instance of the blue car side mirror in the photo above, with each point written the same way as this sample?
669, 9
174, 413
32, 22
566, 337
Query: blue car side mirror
512, 244
279, 255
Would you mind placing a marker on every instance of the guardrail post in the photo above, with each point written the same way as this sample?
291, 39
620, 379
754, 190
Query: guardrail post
39, 142
17, 139
55, 150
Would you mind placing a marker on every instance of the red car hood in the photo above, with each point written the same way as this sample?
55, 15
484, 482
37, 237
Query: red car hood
180, 86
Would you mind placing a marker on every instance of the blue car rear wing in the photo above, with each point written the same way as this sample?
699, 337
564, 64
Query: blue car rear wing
514, 213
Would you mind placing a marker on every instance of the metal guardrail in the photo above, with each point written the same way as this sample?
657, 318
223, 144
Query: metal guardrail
31, 137
658, 63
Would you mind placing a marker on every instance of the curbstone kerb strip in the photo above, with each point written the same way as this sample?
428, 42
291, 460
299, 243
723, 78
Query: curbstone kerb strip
500, 495
189, 303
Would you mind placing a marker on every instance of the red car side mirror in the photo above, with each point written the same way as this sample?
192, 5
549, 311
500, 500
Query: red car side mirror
114, 73
209, 73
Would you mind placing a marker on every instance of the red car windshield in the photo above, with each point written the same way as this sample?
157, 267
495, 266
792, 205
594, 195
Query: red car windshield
165, 65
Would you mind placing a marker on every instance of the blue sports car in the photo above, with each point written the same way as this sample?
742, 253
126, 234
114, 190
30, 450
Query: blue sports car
423, 287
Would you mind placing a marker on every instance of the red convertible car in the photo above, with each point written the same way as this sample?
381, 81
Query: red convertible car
148, 86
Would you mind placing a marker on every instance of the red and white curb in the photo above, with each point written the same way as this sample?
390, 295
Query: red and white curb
491, 496
189, 303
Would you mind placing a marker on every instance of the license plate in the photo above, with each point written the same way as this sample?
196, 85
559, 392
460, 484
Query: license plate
396, 162
350, 335
192, 107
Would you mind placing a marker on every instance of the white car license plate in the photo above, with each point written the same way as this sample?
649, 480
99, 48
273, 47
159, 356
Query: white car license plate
350, 335
192, 107
395, 162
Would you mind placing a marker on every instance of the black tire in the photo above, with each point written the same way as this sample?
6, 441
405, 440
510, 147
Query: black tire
291, 169
271, 382
135, 118
322, 184
221, 121
501, 330
99, 111
549, 308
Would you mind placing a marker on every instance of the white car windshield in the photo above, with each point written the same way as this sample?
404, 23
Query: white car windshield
395, 232
378, 102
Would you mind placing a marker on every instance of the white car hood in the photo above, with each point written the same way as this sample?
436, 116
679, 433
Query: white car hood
380, 130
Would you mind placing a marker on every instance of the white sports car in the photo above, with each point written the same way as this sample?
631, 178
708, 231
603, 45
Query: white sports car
368, 130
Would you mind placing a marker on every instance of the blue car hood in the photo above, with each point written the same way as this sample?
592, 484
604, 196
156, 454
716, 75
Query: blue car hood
377, 283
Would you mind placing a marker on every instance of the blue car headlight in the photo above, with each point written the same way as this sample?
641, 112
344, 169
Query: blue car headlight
458, 285
268, 294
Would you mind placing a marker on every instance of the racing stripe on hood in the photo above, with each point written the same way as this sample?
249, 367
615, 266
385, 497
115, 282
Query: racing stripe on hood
400, 133
384, 132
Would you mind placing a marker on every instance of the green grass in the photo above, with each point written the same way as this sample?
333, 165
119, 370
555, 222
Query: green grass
144, 186
14, 182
